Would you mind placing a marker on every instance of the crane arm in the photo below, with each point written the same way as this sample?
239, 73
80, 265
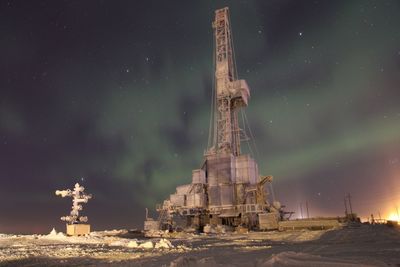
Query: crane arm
265, 179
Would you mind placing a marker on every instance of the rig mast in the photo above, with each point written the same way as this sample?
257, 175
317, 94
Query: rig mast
231, 94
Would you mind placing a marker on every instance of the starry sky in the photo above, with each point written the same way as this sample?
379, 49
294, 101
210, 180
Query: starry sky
116, 95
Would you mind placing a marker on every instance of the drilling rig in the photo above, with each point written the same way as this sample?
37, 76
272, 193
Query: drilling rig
227, 189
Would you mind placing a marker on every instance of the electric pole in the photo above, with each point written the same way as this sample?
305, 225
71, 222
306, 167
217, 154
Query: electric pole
301, 210
351, 209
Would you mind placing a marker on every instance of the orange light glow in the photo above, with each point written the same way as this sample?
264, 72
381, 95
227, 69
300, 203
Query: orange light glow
393, 217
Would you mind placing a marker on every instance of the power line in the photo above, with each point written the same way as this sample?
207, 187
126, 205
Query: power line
251, 135
301, 210
212, 128
349, 198
244, 126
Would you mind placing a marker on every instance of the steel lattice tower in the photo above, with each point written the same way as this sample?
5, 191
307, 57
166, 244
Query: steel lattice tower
231, 94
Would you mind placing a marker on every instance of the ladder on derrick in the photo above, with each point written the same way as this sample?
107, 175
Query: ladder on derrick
161, 217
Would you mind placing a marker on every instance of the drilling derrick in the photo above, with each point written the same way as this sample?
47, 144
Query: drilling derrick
227, 189
231, 94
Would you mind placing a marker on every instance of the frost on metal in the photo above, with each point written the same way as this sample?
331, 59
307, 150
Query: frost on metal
78, 197
227, 190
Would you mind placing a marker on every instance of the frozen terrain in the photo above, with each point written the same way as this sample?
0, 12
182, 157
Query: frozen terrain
358, 245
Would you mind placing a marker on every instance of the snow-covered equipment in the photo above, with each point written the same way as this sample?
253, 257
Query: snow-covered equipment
75, 222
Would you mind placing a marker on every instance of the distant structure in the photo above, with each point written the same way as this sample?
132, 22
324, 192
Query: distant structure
76, 224
227, 189
350, 216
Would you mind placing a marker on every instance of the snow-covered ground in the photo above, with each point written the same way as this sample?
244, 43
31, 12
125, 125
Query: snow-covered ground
362, 245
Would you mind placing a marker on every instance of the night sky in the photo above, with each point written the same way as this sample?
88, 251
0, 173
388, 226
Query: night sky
116, 95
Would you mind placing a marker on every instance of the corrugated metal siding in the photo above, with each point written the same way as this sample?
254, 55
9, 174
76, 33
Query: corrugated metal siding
226, 191
178, 200
198, 176
213, 196
220, 169
196, 200
183, 189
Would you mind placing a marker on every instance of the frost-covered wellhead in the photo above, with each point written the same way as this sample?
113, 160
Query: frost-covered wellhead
78, 197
